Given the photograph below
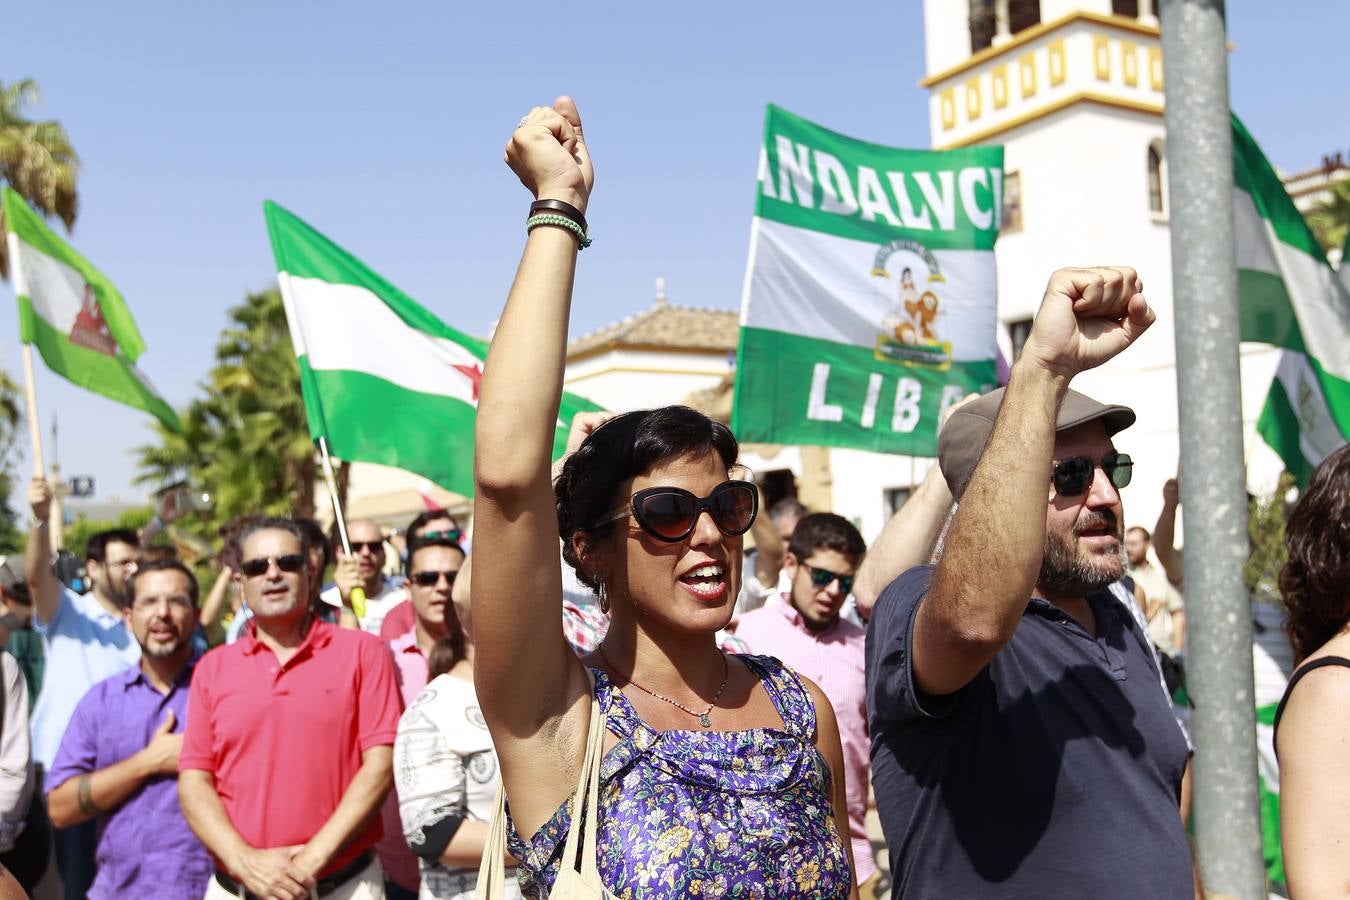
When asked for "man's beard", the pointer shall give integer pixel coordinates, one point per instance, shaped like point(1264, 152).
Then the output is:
point(1067, 571)
point(163, 651)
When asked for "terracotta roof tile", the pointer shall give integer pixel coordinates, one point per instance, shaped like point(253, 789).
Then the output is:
point(663, 325)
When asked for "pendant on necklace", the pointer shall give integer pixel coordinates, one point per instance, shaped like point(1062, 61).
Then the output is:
point(705, 720)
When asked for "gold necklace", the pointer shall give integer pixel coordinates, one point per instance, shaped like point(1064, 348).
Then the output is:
point(705, 717)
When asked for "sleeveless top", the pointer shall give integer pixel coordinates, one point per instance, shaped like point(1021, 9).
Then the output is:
point(706, 813)
point(1298, 674)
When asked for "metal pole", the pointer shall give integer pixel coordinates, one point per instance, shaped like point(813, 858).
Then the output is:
point(1205, 292)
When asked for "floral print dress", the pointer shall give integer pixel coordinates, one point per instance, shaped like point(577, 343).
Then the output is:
point(706, 813)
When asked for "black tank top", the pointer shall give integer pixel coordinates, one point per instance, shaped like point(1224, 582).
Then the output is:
point(1294, 679)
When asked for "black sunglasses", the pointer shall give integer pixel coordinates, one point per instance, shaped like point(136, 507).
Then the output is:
point(432, 577)
point(670, 514)
point(453, 535)
point(290, 562)
point(1072, 477)
point(372, 546)
point(821, 578)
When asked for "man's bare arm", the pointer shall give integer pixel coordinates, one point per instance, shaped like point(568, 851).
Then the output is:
point(1165, 534)
point(359, 802)
point(906, 541)
point(992, 555)
point(37, 561)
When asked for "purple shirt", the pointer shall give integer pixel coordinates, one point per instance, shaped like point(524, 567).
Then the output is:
point(145, 848)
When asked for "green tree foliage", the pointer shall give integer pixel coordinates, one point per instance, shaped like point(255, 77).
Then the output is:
point(1330, 219)
point(245, 440)
point(1266, 518)
point(36, 159)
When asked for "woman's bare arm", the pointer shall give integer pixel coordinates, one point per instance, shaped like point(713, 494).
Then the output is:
point(527, 678)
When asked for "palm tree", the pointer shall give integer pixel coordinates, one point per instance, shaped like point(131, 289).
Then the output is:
point(36, 159)
point(1330, 219)
point(246, 441)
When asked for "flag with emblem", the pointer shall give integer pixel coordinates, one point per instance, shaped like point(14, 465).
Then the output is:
point(75, 316)
point(870, 296)
point(1292, 298)
point(384, 380)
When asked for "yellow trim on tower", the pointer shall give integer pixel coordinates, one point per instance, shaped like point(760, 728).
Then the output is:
point(1030, 34)
point(1026, 74)
point(1129, 63)
point(998, 77)
point(947, 105)
point(1059, 63)
point(1155, 68)
point(973, 98)
point(1101, 57)
point(1062, 103)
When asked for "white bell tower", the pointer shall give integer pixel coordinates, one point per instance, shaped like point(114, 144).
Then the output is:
point(1074, 92)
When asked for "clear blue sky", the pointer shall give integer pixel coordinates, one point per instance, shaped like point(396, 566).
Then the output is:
point(383, 125)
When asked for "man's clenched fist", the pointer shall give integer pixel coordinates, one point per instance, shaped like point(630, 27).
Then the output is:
point(1087, 317)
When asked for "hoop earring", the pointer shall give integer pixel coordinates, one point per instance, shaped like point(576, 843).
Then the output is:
point(602, 591)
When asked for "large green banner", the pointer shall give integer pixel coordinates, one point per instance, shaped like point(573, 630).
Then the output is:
point(869, 303)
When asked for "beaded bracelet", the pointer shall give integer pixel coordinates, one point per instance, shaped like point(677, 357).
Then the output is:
point(534, 222)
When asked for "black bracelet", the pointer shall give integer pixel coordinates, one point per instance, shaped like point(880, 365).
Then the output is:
point(562, 208)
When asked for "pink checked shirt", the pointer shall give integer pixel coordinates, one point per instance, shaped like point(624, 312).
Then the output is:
point(834, 660)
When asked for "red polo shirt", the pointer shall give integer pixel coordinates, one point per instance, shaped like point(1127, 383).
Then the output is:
point(284, 742)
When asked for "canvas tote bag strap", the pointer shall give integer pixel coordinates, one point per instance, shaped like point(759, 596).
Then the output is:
point(492, 867)
point(579, 878)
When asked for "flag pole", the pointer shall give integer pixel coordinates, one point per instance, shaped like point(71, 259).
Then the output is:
point(358, 594)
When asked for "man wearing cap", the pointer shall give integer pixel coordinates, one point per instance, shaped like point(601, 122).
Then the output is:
point(1021, 743)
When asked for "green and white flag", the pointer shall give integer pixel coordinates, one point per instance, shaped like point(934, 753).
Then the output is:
point(1291, 297)
point(72, 312)
point(384, 380)
point(869, 300)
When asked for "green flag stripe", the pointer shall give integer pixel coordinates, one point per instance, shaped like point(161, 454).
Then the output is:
point(817, 150)
point(1266, 314)
point(110, 376)
point(780, 388)
point(441, 450)
point(1253, 173)
point(29, 228)
point(1278, 426)
point(301, 251)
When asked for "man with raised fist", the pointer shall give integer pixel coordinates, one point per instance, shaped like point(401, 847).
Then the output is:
point(1021, 741)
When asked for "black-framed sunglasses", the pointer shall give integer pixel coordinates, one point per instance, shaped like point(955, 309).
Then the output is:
point(373, 546)
point(1072, 477)
point(290, 562)
point(822, 578)
point(432, 577)
point(670, 514)
point(454, 535)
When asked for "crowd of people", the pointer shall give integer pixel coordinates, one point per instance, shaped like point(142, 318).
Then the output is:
point(605, 693)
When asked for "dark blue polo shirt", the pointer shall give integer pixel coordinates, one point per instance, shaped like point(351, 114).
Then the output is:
point(1055, 773)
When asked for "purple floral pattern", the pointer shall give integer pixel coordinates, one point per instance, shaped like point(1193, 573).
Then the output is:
point(706, 813)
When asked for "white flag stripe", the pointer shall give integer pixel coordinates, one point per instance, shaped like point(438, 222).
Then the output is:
point(795, 274)
point(336, 325)
point(1324, 324)
point(55, 289)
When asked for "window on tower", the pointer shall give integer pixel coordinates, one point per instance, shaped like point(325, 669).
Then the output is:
point(1125, 8)
point(1157, 179)
point(1023, 14)
point(983, 24)
point(1012, 203)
